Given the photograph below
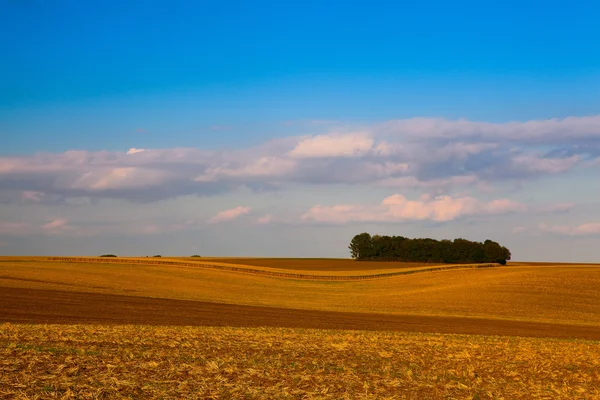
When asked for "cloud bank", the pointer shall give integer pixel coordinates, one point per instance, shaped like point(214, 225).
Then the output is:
point(434, 156)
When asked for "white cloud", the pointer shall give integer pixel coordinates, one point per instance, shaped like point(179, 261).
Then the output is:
point(228, 215)
point(333, 145)
point(587, 229)
point(133, 150)
point(398, 208)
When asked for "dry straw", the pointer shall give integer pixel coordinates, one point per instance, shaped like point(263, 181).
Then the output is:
point(112, 362)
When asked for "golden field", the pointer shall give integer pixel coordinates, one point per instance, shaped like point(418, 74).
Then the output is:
point(318, 265)
point(82, 361)
point(562, 294)
point(184, 328)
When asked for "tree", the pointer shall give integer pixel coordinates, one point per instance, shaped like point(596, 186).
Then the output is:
point(495, 253)
point(361, 246)
point(398, 248)
point(505, 256)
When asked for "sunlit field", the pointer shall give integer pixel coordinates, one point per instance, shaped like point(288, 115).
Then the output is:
point(314, 264)
point(183, 328)
point(562, 293)
point(74, 361)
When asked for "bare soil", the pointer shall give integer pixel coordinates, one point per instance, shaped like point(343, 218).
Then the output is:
point(39, 306)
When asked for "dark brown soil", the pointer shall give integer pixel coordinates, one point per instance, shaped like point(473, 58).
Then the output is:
point(62, 307)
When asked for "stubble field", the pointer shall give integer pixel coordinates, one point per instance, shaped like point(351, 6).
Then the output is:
point(74, 361)
point(181, 331)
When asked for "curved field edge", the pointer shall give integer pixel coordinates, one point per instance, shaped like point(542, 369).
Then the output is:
point(56, 361)
point(246, 269)
point(39, 306)
point(313, 265)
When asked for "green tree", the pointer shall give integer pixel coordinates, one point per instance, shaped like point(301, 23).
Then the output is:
point(361, 246)
point(398, 248)
point(495, 253)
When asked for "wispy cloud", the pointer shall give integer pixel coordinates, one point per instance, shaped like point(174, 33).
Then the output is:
point(560, 208)
point(89, 228)
point(398, 208)
point(13, 228)
point(265, 219)
point(333, 146)
point(133, 150)
point(548, 131)
point(54, 225)
point(231, 214)
point(587, 229)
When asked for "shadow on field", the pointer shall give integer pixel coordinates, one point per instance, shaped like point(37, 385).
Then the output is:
point(62, 307)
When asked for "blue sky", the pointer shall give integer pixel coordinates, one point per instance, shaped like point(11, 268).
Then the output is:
point(300, 124)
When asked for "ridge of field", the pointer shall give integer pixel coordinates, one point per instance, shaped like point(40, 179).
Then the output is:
point(315, 265)
point(355, 274)
point(560, 294)
point(66, 361)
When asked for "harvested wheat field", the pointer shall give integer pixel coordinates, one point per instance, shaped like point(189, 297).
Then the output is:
point(314, 264)
point(564, 294)
point(202, 328)
point(75, 361)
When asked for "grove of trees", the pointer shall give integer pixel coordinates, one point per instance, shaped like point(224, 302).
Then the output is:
point(399, 248)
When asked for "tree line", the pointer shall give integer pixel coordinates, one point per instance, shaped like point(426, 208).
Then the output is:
point(398, 248)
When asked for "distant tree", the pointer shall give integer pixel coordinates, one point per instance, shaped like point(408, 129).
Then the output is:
point(361, 246)
point(196, 255)
point(495, 253)
point(398, 248)
point(108, 255)
point(158, 255)
point(382, 247)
